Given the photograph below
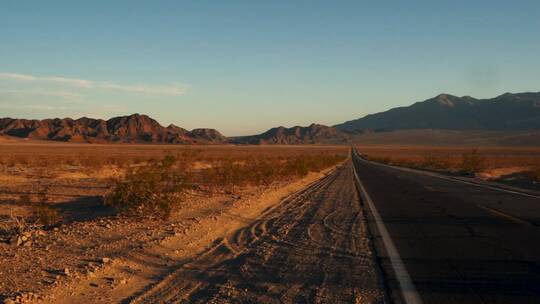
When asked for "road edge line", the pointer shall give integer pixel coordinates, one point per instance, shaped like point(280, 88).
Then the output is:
point(452, 179)
point(408, 290)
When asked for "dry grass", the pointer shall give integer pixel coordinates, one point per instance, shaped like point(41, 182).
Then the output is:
point(40, 215)
point(59, 157)
point(536, 174)
point(154, 189)
point(139, 177)
point(158, 187)
point(455, 158)
point(264, 170)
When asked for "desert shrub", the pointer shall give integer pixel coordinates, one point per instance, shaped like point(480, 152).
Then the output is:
point(46, 215)
point(472, 162)
point(43, 213)
point(152, 189)
point(436, 162)
point(263, 171)
point(92, 162)
point(13, 224)
point(535, 174)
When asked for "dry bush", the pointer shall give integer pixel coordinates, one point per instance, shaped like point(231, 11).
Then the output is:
point(156, 187)
point(42, 216)
point(43, 213)
point(46, 215)
point(91, 162)
point(436, 162)
point(13, 224)
point(263, 171)
point(495, 157)
point(472, 162)
point(535, 173)
point(57, 156)
point(153, 189)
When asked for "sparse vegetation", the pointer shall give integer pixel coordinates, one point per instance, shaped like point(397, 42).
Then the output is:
point(157, 188)
point(45, 184)
point(47, 158)
point(144, 179)
point(266, 170)
point(153, 189)
point(13, 224)
point(472, 162)
point(436, 162)
point(536, 174)
point(46, 215)
point(452, 158)
point(41, 216)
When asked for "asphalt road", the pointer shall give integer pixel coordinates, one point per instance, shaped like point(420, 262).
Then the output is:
point(459, 243)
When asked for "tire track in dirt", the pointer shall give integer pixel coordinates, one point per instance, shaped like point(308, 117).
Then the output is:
point(311, 248)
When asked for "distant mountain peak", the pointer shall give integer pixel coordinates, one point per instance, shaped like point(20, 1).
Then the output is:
point(312, 134)
point(136, 127)
point(445, 99)
point(509, 111)
point(444, 95)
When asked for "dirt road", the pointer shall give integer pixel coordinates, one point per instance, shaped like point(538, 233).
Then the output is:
point(311, 248)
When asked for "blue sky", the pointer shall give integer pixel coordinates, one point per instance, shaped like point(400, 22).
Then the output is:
point(245, 66)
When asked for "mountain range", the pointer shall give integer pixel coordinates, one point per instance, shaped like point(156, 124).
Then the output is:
point(505, 112)
point(516, 116)
point(313, 134)
point(135, 128)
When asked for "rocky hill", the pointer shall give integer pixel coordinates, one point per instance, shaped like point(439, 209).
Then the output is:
point(504, 113)
point(313, 134)
point(134, 128)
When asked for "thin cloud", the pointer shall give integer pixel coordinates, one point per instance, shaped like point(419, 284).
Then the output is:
point(163, 90)
point(32, 107)
point(172, 89)
point(61, 94)
point(17, 76)
point(70, 81)
point(97, 111)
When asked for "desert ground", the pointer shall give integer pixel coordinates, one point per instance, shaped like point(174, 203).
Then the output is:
point(234, 224)
point(61, 243)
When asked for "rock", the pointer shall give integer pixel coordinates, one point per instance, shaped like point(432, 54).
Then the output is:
point(16, 240)
point(105, 260)
point(9, 301)
point(41, 233)
point(66, 272)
